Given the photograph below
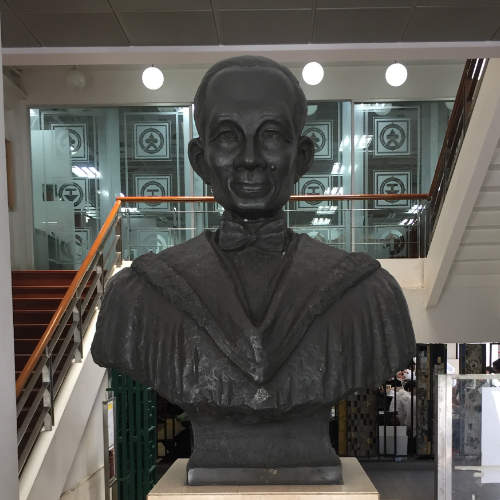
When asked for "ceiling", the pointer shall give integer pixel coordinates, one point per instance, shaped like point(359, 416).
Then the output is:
point(70, 23)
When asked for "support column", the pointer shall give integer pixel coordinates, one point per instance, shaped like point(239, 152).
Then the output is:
point(8, 441)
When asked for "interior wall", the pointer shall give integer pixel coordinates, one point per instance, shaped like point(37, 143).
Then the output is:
point(463, 314)
point(120, 85)
point(46, 86)
point(8, 433)
point(21, 214)
point(86, 477)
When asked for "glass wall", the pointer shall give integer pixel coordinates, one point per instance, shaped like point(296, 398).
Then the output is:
point(82, 158)
point(396, 149)
point(327, 124)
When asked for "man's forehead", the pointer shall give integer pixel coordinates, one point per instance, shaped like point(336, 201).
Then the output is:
point(248, 83)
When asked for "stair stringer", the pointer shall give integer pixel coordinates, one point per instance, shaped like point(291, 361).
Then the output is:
point(472, 165)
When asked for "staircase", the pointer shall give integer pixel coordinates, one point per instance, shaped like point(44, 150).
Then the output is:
point(35, 296)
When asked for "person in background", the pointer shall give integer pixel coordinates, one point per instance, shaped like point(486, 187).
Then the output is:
point(495, 369)
point(402, 404)
point(496, 366)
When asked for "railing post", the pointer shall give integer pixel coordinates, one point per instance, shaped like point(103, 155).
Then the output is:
point(119, 245)
point(48, 392)
point(77, 331)
point(129, 233)
point(99, 269)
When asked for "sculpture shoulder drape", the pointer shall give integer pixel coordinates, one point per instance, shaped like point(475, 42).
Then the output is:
point(377, 337)
point(129, 330)
point(356, 338)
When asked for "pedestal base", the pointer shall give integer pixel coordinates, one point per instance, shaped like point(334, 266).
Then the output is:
point(239, 476)
point(357, 486)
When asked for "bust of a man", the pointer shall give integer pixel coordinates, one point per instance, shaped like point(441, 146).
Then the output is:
point(254, 330)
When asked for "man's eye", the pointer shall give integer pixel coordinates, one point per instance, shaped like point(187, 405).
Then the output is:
point(271, 134)
point(227, 136)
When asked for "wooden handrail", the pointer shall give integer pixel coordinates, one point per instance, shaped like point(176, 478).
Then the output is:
point(68, 296)
point(293, 197)
point(103, 233)
point(458, 113)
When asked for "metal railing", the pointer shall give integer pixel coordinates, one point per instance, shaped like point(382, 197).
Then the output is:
point(465, 100)
point(61, 343)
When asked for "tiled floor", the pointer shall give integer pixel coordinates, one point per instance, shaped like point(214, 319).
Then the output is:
point(413, 480)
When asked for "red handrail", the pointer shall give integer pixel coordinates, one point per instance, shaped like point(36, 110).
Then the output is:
point(68, 296)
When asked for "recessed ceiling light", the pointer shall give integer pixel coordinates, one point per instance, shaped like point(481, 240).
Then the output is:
point(76, 79)
point(396, 74)
point(152, 78)
point(313, 73)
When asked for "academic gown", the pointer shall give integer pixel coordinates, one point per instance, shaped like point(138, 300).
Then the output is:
point(336, 322)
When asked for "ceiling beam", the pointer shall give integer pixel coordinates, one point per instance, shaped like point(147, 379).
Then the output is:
point(209, 54)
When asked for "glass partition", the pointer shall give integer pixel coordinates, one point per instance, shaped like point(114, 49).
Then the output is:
point(83, 158)
point(396, 148)
point(468, 437)
point(141, 218)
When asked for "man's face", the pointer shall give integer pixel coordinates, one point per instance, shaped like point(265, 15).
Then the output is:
point(250, 152)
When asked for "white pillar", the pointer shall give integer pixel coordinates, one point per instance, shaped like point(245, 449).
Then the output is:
point(8, 432)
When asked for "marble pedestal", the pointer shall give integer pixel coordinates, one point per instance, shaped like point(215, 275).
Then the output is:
point(357, 486)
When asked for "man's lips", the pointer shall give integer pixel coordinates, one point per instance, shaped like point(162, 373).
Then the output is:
point(250, 188)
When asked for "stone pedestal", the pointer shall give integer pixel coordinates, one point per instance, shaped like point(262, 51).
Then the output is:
point(357, 486)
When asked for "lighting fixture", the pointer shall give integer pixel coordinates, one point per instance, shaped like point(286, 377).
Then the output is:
point(86, 172)
point(76, 78)
point(152, 78)
point(396, 74)
point(313, 73)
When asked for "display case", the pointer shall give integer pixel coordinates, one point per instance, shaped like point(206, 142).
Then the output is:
point(468, 437)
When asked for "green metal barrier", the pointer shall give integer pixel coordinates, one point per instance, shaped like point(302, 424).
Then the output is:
point(135, 436)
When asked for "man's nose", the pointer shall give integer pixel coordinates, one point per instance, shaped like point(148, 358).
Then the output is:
point(250, 157)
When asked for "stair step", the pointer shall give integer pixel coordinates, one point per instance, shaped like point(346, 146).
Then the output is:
point(32, 331)
point(32, 277)
point(46, 303)
point(21, 360)
point(27, 346)
point(32, 316)
point(35, 292)
point(29, 330)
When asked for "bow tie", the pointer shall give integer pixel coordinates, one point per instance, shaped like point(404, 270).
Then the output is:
point(270, 237)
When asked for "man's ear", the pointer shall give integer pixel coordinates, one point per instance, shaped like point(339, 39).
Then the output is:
point(197, 160)
point(305, 156)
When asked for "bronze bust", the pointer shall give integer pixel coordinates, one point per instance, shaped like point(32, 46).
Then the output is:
point(254, 330)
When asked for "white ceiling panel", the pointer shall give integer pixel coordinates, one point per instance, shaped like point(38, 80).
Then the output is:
point(496, 36)
point(263, 4)
point(360, 25)
point(15, 32)
point(452, 24)
point(59, 30)
point(160, 5)
point(260, 27)
point(60, 6)
point(176, 28)
point(249, 22)
point(456, 3)
point(362, 4)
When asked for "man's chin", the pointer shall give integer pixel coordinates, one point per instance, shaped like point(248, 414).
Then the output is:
point(254, 208)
